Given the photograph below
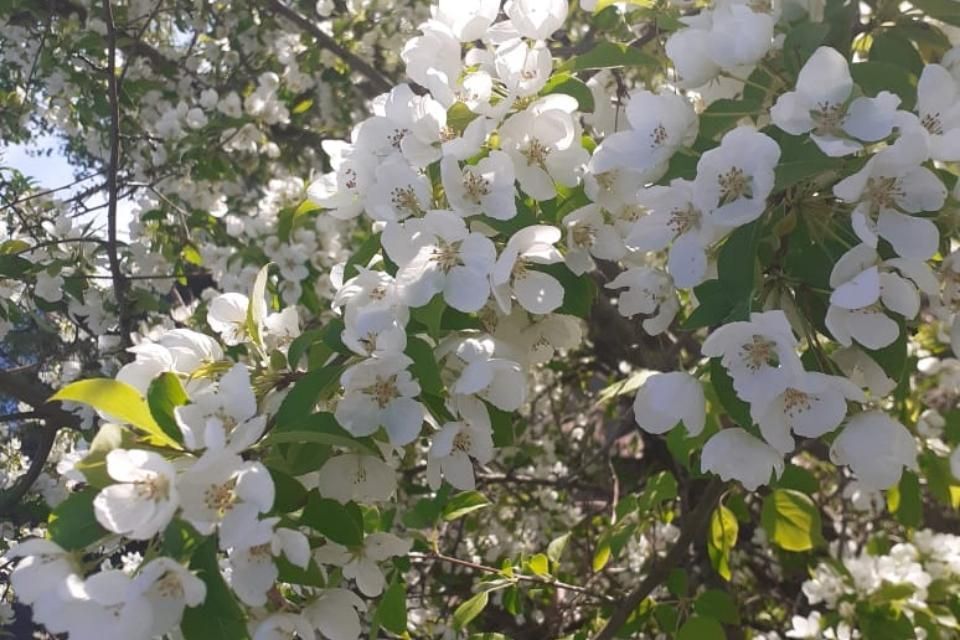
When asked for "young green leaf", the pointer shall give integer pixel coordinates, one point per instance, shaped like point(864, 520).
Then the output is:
point(721, 538)
point(121, 402)
point(469, 610)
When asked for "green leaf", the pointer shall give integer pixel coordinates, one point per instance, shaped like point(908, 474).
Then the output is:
point(318, 428)
point(578, 291)
point(607, 55)
point(791, 520)
point(603, 4)
point(717, 604)
point(945, 10)
point(72, 524)
point(801, 159)
point(722, 383)
point(502, 422)
point(713, 308)
point(165, 394)
point(290, 495)
point(392, 610)
point(340, 523)
point(121, 402)
point(721, 539)
point(723, 115)
point(329, 336)
point(556, 547)
point(424, 368)
point(8, 247)
point(906, 501)
point(463, 503)
point(801, 41)
point(302, 106)
point(459, 116)
point(93, 466)
point(540, 565)
point(257, 307)
point(14, 266)
point(602, 554)
point(893, 357)
point(659, 488)
point(361, 257)
point(469, 610)
point(700, 628)
point(218, 617)
point(289, 217)
point(571, 86)
point(874, 77)
point(678, 582)
point(302, 399)
point(737, 267)
point(430, 316)
point(890, 46)
point(180, 540)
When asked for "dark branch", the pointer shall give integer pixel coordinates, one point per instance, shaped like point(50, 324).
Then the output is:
point(379, 83)
point(120, 284)
point(694, 525)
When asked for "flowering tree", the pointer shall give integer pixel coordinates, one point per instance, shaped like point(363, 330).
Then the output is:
point(481, 319)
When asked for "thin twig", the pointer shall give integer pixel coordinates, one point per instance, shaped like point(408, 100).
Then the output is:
point(40, 194)
point(549, 582)
point(120, 284)
point(379, 82)
point(692, 528)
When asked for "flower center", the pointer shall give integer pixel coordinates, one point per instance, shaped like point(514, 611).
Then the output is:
point(632, 212)
point(760, 352)
point(827, 119)
point(369, 342)
point(384, 390)
point(583, 235)
point(229, 422)
point(658, 136)
point(360, 475)
point(447, 134)
point(683, 220)
point(462, 441)
point(397, 137)
point(220, 497)
point(734, 184)
point(260, 553)
point(606, 179)
point(476, 187)
point(379, 292)
point(405, 199)
point(536, 153)
point(882, 192)
point(932, 123)
point(795, 401)
point(520, 268)
point(350, 180)
point(169, 586)
point(447, 256)
point(157, 488)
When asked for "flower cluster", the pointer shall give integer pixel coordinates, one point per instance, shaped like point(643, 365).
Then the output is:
point(760, 232)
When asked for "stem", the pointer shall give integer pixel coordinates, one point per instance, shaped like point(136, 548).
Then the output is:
point(379, 82)
point(696, 522)
point(120, 283)
point(549, 582)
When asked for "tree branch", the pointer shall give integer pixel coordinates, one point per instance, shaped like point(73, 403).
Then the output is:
point(12, 496)
point(120, 284)
point(378, 81)
point(20, 384)
point(549, 582)
point(693, 527)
